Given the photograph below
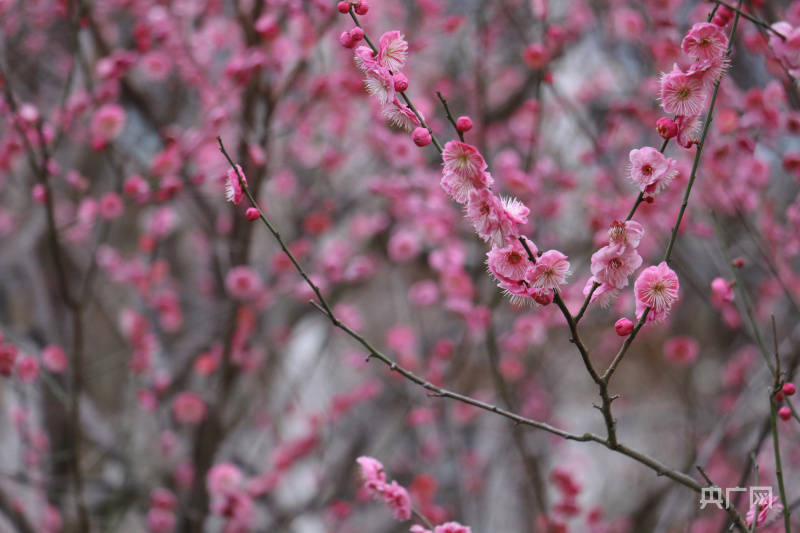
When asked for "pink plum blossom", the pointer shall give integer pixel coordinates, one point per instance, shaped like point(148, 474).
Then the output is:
point(650, 170)
point(682, 94)
point(233, 186)
point(656, 288)
point(550, 271)
point(189, 408)
point(705, 41)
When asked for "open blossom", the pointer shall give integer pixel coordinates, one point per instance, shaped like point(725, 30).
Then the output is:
point(400, 115)
point(107, 124)
point(682, 94)
point(721, 292)
point(625, 235)
point(392, 51)
point(550, 271)
point(511, 266)
point(707, 71)
point(612, 265)
point(233, 187)
point(394, 495)
point(521, 293)
point(54, 359)
point(509, 263)
point(404, 246)
point(681, 350)
point(494, 220)
point(688, 128)
point(463, 160)
point(243, 283)
point(224, 478)
point(373, 474)
point(767, 508)
point(397, 499)
point(604, 294)
point(378, 82)
point(464, 170)
point(656, 288)
point(189, 408)
point(459, 187)
point(650, 169)
point(705, 41)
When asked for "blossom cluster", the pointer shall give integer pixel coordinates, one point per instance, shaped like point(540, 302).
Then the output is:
point(686, 93)
point(613, 263)
point(396, 497)
point(521, 274)
point(383, 77)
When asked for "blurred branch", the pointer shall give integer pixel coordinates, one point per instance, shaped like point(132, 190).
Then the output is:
point(39, 164)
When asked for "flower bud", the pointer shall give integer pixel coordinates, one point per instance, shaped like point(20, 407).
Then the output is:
point(666, 127)
point(536, 56)
point(722, 16)
point(543, 297)
point(400, 82)
point(464, 124)
point(251, 214)
point(357, 34)
point(343, 7)
point(421, 136)
point(362, 7)
point(623, 327)
point(346, 40)
point(785, 413)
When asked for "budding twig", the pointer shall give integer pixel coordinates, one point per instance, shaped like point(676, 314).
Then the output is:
point(434, 390)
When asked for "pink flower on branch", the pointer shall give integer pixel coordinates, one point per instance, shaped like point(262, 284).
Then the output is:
point(394, 495)
point(495, 220)
point(764, 510)
point(611, 265)
point(397, 499)
point(681, 93)
point(705, 41)
point(462, 159)
point(551, 270)
point(650, 169)
point(401, 116)
point(509, 263)
point(233, 186)
point(107, 124)
point(626, 235)
point(392, 51)
point(379, 83)
point(656, 288)
point(373, 474)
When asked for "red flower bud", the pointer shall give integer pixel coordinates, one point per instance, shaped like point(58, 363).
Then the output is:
point(666, 127)
point(464, 124)
point(623, 327)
